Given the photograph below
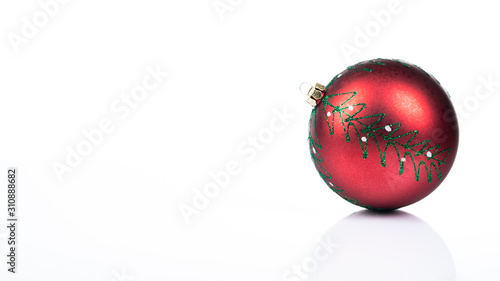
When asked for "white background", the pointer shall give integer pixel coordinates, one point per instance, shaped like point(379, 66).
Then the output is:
point(116, 215)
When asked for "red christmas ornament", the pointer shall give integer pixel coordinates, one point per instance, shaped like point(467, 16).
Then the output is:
point(383, 134)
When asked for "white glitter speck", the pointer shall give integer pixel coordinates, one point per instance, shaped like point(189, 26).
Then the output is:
point(351, 108)
point(314, 150)
point(328, 114)
point(429, 154)
point(388, 128)
point(363, 139)
point(403, 159)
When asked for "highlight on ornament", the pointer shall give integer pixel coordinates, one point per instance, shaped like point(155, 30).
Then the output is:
point(383, 134)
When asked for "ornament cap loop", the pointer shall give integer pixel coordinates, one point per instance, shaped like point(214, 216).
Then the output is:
point(315, 94)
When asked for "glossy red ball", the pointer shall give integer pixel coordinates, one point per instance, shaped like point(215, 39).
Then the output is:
point(384, 135)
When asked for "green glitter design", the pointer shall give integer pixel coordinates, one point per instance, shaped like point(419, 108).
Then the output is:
point(353, 68)
point(324, 173)
point(403, 63)
point(373, 133)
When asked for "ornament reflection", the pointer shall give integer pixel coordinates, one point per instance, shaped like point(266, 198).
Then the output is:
point(380, 246)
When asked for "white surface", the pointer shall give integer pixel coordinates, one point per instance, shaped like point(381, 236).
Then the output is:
point(116, 215)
